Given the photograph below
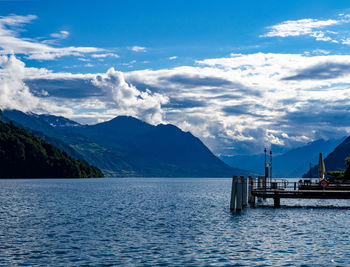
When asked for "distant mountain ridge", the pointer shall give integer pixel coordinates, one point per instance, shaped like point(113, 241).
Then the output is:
point(292, 163)
point(126, 146)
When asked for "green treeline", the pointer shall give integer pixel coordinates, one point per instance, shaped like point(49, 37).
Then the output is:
point(23, 155)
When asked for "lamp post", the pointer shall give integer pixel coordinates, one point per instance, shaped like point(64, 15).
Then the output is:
point(265, 166)
point(271, 165)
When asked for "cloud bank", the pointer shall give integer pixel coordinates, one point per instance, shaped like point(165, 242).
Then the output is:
point(242, 103)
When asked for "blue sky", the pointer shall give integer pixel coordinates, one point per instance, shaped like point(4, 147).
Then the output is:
point(185, 29)
point(240, 75)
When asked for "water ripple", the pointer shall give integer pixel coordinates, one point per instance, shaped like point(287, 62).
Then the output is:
point(108, 222)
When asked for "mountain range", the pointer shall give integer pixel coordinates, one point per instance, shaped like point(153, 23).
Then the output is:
point(128, 147)
point(291, 163)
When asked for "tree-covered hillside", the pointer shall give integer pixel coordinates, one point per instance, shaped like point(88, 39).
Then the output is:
point(23, 155)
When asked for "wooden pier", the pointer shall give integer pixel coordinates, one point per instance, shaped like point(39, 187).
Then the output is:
point(248, 189)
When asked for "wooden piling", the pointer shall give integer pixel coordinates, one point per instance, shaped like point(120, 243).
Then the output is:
point(260, 182)
point(260, 179)
point(239, 203)
point(251, 198)
point(233, 193)
point(244, 191)
point(276, 202)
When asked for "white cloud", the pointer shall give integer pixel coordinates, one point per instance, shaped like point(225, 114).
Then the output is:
point(10, 43)
point(60, 35)
point(320, 52)
point(15, 20)
point(346, 41)
point(314, 28)
point(83, 59)
point(105, 55)
point(310, 27)
point(138, 48)
point(13, 93)
point(298, 27)
point(128, 100)
point(173, 57)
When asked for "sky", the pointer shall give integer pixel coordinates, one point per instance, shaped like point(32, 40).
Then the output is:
point(240, 75)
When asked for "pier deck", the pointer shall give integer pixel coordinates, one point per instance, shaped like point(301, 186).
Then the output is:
point(321, 194)
point(246, 190)
point(301, 190)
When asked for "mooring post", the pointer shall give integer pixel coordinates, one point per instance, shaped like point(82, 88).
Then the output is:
point(239, 195)
point(276, 201)
point(244, 191)
point(260, 182)
point(251, 198)
point(260, 178)
point(233, 193)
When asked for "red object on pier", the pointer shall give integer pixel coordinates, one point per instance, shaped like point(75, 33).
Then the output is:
point(324, 183)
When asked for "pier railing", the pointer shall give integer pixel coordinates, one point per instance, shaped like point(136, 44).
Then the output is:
point(262, 183)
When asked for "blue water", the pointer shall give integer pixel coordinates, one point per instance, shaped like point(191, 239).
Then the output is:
point(162, 222)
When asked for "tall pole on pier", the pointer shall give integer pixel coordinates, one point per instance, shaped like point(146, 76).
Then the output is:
point(265, 166)
point(271, 165)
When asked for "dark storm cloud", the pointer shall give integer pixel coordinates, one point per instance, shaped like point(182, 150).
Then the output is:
point(244, 109)
point(64, 88)
point(321, 72)
point(184, 103)
point(195, 80)
point(228, 96)
point(215, 85)
point(239, 110)
point(319, 118)
point(289, 101)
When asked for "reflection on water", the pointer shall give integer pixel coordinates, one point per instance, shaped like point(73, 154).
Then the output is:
point(162, 221)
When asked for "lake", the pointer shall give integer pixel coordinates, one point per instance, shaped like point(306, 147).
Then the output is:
point(153, 221)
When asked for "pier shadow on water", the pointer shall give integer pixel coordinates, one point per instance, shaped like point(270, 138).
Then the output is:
point(304, 207)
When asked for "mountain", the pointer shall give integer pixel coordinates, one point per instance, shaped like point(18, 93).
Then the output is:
point(126, 146)
point(23, 155)
point(335, 161)
point(292, 163)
